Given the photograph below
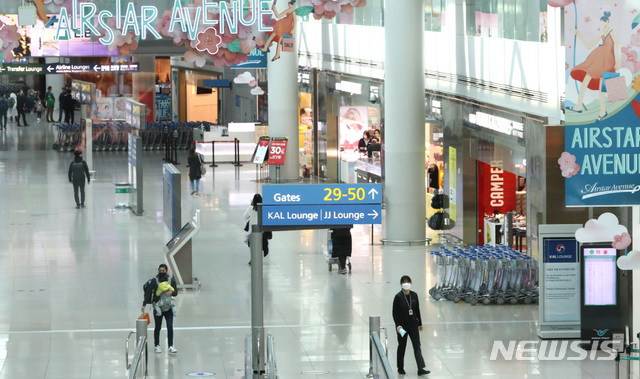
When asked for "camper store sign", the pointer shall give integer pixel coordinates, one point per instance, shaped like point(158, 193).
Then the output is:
point(226, 15)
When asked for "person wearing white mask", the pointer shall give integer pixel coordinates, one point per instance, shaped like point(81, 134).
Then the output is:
point(406, 315)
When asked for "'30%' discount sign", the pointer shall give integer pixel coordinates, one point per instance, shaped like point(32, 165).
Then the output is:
point(277, 150)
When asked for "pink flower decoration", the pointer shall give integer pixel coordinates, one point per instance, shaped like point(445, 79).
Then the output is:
point(208, 41)
point(630, 59)
point(622, 241)
point(253, 83)
point(559, 3)
point(635, 39)
point(568, 165)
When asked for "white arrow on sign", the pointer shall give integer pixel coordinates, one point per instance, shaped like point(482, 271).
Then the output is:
point(374, 214)
point(373, 193)
point(96, 68)
point(50, 68)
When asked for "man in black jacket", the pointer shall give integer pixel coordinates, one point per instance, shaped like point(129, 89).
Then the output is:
point(69, 105)
point(406, 315)
point(78, 171)
point(21, 105)
point(61, 97)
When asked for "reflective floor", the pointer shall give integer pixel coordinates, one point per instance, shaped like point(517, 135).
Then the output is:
point(71, 283)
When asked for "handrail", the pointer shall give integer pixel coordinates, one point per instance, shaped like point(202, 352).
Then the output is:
point(386, 342)
point(272, 368)
point(380, 364)
point(126, 349)
point(248, 369)
point(141, 351)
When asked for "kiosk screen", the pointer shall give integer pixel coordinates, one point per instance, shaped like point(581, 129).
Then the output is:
point(599, 276)
point(183, 232)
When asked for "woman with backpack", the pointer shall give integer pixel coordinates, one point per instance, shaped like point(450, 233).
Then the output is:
point(150, 297)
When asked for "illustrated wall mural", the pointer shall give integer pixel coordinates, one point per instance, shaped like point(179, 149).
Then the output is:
point(601, 162)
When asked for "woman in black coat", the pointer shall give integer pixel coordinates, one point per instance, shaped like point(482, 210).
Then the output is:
point(194, 171)
point(341, 241)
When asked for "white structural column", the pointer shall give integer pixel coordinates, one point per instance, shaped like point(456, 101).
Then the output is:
point(404, 122)
point(55, 81)
point(283, 108)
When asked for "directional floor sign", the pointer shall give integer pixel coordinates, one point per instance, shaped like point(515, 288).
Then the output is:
point(275, 215)
point(322, 194)
point(79, 68)
point(22, 69)
point(321, 204)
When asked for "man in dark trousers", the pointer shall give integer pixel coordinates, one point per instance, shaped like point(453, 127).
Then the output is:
point(69, 105)
point(406, 315)
point(4, 107)
point(49, 102)
point(60, 103)
point(21, 106)
point(341, 244)
point(78, 171)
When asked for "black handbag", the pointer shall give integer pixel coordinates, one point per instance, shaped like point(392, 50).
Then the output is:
point(246, 227)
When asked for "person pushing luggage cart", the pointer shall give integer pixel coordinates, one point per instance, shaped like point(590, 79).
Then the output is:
point(340, 248)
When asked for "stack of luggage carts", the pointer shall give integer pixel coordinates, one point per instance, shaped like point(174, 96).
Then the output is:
point(488, 274)
point(113, 135)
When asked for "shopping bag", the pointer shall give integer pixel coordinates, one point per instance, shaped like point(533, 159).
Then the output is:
point(616, 89)
point(608, 75)
point(145, 316)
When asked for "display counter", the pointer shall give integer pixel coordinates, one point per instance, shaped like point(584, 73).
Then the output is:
point(225, 150)
point(368, 170)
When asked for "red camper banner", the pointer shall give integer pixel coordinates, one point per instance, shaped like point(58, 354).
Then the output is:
point(496, 192)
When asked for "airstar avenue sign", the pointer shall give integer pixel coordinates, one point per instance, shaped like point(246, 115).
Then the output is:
point(227, 16)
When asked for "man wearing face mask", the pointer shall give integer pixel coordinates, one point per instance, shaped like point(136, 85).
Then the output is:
point(150, 297)
point(406, 315)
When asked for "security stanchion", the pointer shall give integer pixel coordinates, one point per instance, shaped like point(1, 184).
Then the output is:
point(213, 154)
point(236, 153)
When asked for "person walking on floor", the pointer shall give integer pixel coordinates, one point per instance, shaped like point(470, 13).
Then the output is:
point(49, 102)
point(406, 315)
point(150, 297)
point(341, 243)
point(78, 172)
point(251, 216)
point(38, 108)
point(21, 104)
point(195, 172)
point(4, 107)
point(12, 101)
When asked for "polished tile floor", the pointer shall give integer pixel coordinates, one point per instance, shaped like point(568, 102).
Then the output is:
point(71, 284)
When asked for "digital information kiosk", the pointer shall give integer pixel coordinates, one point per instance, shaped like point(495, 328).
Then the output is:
point(179, 254)
point(601, 310)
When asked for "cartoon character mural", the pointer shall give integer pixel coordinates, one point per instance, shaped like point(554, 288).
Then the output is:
point(601, 163)
point(600, 64)
point(42, 13)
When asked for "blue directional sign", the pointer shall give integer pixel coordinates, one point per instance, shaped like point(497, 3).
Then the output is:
point(321, 204)
point(321, 194)
point(309, 215)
